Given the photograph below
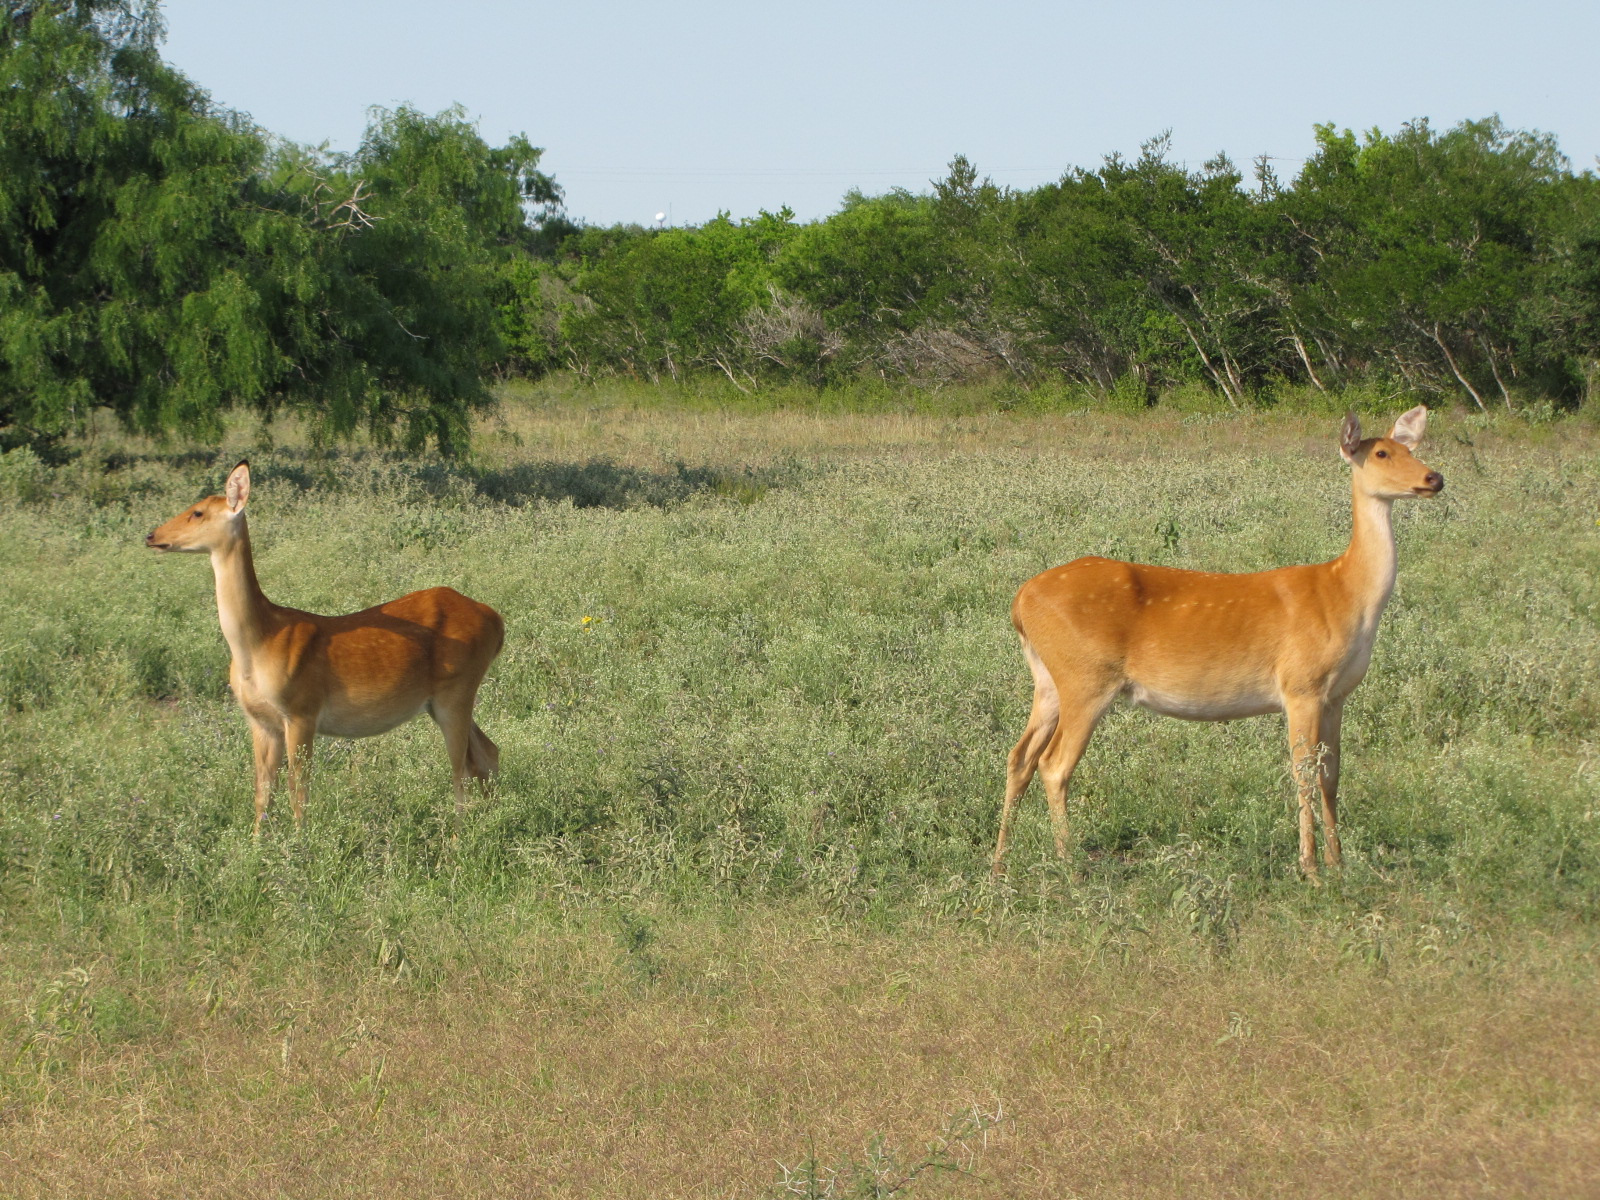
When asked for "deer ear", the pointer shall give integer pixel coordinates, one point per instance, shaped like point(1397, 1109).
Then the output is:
point(1409, 425)
point(1350, 437)
point(238, 489)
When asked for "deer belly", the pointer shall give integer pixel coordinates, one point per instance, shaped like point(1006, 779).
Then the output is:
point(357, 721)
point(1207, 700)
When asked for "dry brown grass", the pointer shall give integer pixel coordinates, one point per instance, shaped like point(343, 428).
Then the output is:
point(565, 1072)
point(573, 423)
point(651, 437)
point(565, 421)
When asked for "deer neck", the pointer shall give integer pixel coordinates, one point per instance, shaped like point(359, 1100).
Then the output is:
point(1367, 567)
point(242, 609)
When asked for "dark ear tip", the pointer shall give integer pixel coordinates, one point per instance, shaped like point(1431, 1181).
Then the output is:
point(243, 462)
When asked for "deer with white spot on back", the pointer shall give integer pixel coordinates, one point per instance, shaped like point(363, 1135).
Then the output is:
point(1213, 647)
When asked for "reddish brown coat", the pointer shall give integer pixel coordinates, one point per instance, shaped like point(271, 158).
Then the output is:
point(1207, 646)
point(297, 674)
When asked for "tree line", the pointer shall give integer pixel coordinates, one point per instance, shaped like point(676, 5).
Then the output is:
point(1463, 262)
point(163, 258)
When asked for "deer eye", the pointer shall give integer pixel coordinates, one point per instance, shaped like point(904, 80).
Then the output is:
point(196, 513)
point(1381, 454)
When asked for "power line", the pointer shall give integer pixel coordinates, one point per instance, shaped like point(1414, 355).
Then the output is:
point(621, 173)
point(773, 172)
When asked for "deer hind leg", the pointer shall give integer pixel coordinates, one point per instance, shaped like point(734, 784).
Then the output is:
point(1024, 758)
point(452, 712)
point(1079, 715)
point(483, 756)
point(269, 752)
point(1308, 760)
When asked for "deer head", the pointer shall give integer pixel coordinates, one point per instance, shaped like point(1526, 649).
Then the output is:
point(208, 524)
point(1385, 467)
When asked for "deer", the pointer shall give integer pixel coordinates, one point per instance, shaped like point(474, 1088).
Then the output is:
point(297, 674)
point(1208, 646)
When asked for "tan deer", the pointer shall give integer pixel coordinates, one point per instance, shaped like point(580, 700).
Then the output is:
point(297, 674)
point(1212, 647)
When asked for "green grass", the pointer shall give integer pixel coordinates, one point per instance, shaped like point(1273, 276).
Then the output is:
point(759, 677)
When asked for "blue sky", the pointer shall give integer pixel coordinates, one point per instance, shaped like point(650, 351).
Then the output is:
point(692, 108)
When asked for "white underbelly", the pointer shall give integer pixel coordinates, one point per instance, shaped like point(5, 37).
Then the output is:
point(335, 722)
point(341, 716)
point(1199, 705)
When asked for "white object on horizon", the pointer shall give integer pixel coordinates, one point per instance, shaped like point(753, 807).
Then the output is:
point(660, 217)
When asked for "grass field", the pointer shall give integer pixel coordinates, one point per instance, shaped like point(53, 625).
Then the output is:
point(725, 922)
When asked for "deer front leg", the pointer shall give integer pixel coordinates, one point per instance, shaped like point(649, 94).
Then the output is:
point(268, 740)
point(298, 733)
point(1328, 782)
point(1306, 759)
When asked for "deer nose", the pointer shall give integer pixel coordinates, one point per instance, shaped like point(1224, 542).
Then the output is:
point(1434, 480)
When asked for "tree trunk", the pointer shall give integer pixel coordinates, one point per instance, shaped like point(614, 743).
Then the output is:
point(1306, 359)
point(1488, 352)
point(1234, 376)
point(728, 371)
point(1211, 370)
point(1455, 370)
point(1329, 358)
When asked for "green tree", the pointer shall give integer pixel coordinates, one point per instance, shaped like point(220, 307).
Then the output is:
point(907, 283)
point(1148, 270)
point(869, 268)
point(1425, 245)
point(1195, 243)
point(122, 232)
point(1559, 315)
point(1081, 310)
point(420, 229)
point(160, 258)
point(654, 303)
